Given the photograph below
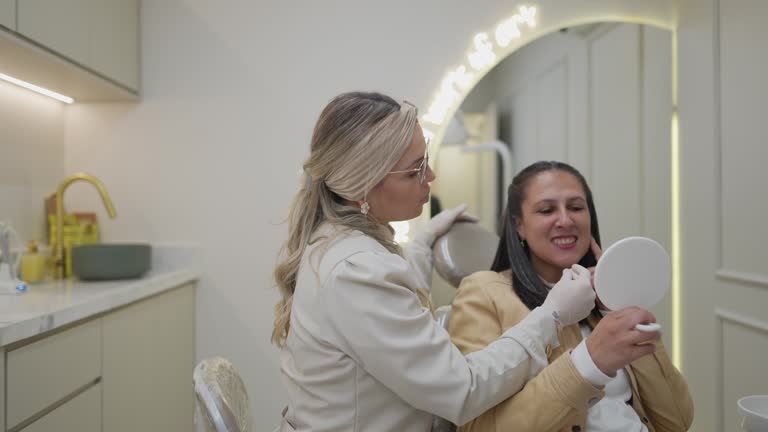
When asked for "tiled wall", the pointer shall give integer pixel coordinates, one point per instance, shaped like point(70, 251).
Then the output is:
point(31, 157)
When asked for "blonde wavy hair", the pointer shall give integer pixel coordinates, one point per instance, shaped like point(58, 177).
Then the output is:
point(357, 140)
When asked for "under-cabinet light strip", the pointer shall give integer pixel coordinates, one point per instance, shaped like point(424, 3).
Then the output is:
point(38, 89)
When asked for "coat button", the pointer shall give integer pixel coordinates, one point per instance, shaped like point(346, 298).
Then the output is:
point(576, 428)
point(645, 419)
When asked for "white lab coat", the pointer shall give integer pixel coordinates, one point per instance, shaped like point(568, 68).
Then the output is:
point(362, 354)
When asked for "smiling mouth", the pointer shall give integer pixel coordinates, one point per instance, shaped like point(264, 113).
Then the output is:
point(565, 242)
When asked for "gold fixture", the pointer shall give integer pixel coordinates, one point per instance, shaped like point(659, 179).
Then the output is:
point(58, 257)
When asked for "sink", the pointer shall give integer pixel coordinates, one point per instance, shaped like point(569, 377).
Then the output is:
point(109, 261)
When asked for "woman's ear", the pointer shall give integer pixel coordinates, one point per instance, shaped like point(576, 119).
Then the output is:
point(519, 228)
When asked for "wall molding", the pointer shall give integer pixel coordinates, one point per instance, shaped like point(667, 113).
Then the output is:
point(744, 278)
point(741, 319)
point(726, 316)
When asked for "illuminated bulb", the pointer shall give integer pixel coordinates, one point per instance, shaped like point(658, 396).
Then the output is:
point(483, 54)
point(461, 76)
point(448, 94)
point(38, 89)
point(506, 31)
point(528, 15)
point(438, 109)
point(509, 29)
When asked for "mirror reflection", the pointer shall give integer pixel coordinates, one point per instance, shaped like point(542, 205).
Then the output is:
point(596, 96)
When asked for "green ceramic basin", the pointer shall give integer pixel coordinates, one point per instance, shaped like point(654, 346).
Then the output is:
point(111, 261)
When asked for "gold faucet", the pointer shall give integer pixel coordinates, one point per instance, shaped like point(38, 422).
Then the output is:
point(58, 257)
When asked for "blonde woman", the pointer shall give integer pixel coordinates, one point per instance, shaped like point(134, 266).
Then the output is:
point(360, 349)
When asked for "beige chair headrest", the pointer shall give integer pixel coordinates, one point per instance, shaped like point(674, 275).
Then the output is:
point(466, 248)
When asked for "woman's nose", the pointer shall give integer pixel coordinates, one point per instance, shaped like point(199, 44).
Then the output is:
point(430, 175)
point(563, 218)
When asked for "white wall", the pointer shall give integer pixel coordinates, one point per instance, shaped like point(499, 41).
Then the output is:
point(722, 96)
point(31, 157)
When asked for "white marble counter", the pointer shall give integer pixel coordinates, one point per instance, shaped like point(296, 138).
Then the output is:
point(50, 305)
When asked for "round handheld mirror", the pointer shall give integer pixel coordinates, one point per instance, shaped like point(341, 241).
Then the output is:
point(635, 271)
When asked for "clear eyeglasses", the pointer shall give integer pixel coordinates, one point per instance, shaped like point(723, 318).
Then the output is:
point(422, 169)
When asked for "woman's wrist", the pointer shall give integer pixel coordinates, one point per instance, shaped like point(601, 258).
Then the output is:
point(586, 366)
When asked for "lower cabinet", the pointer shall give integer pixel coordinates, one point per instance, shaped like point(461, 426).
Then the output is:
point(148, 359)
point(82, 414)
point(129, 369)
point(50, 369)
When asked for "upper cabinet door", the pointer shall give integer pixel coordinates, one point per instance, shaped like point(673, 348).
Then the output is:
point(115, 40)
point(60, 25)
point(8, 14)
point(100, 35)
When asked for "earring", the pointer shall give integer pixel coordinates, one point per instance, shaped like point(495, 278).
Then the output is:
point(365, 207)
point(522, 243)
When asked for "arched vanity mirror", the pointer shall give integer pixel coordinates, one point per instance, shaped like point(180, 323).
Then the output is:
point(598, 96)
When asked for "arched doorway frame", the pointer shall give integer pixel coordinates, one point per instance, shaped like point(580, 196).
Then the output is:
point(530, 21)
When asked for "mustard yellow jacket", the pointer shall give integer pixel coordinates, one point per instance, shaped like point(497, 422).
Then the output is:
point(557, 399)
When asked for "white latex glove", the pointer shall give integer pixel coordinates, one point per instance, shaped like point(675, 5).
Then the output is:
point(572, 297)
point(442, 222)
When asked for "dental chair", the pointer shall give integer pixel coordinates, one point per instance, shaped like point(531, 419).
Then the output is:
point(220, 397)
point(466, 248)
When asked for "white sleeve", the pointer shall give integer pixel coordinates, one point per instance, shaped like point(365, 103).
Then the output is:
point(380, 323)
point(583, 363)
point(418, 253)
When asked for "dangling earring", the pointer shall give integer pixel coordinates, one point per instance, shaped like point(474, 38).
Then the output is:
point(365, 207)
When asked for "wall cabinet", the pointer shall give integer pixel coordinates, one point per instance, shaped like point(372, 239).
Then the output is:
point(101, 35)
point(8, 14)
point(129, 369)
point(98, 41)
point(61, 26)
point(115, 40)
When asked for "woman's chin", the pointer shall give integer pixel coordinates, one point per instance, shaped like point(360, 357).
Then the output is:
point(572, 256)
point(567, 263)
point(406, 217)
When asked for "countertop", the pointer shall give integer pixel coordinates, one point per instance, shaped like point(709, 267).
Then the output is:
point(50, 305)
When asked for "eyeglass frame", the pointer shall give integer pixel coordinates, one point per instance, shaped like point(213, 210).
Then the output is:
point(423, 167)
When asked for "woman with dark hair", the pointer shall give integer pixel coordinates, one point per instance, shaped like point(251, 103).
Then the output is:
point(605, 375)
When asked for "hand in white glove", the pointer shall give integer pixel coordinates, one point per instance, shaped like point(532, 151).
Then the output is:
point(572, 297)
point(442, 222)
